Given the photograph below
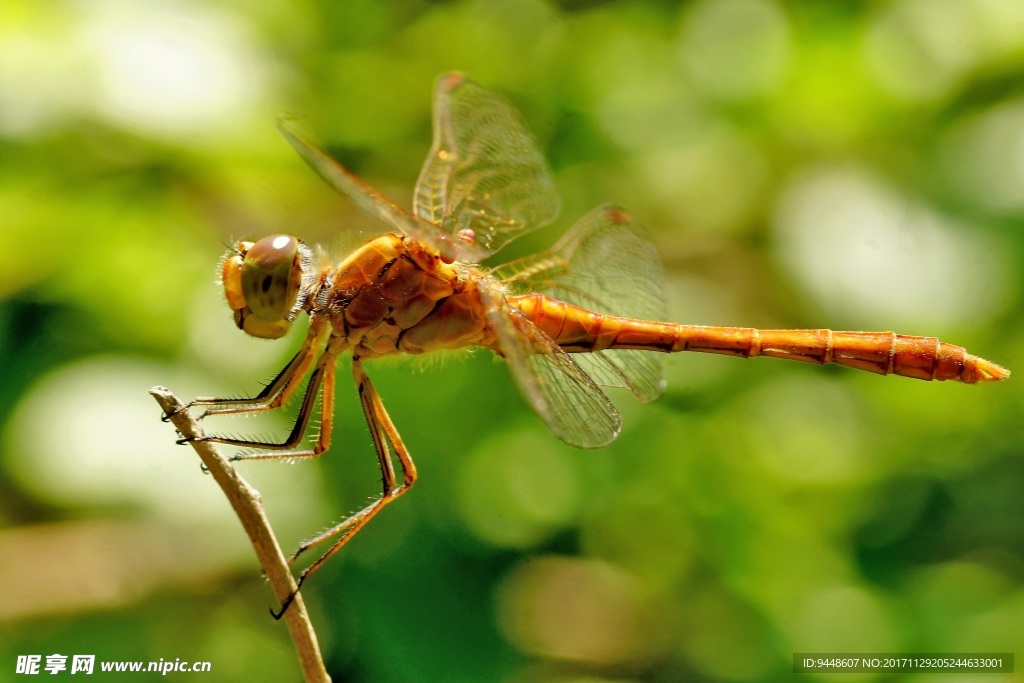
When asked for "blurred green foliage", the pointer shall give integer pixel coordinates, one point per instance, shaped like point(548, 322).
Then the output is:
point(800, 164)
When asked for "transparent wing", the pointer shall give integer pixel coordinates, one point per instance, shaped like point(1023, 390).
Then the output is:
point(606, 263)
point(365, 197)
point(484, 172)
point(560, 391)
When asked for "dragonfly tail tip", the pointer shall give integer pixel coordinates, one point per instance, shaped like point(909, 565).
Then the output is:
point(987, 371)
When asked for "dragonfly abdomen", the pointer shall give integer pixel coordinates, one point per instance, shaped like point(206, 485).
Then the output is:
point(578, 330)
point(883, 353)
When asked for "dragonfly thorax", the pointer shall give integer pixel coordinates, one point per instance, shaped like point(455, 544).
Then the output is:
point(396, 295)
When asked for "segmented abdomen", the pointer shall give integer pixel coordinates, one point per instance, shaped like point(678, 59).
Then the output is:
point(578, 330)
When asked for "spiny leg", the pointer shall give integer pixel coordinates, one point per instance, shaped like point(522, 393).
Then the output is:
point(320, 382)
point(383, 430)
point(273, 395)
point(280, 389)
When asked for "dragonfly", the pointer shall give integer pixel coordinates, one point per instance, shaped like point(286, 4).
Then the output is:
point(583, 315)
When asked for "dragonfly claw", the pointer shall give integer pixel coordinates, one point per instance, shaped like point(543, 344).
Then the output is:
point(284, 608)
point(287, 602)
point(191, 439)
point(167, 417)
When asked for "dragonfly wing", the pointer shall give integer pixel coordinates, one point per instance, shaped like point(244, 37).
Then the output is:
point(605, 263)
point(639, 371)
point(560, 391)
point(362, 195)
point(484, 172)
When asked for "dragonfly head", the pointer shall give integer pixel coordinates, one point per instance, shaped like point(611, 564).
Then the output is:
point(263, 283)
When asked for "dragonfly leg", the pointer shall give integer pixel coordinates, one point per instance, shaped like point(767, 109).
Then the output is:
point(323, 380)
point(280, 389)
point(383, 431)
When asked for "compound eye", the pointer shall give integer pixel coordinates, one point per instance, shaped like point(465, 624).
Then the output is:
point(231, 275)
point(272, 276)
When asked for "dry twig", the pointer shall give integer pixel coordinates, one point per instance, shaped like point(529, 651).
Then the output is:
point(248, 507)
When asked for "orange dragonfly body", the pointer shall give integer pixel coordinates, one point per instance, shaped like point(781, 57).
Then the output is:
point(580, 316)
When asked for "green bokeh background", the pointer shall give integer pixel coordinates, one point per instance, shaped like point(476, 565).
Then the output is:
point(856, 165)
